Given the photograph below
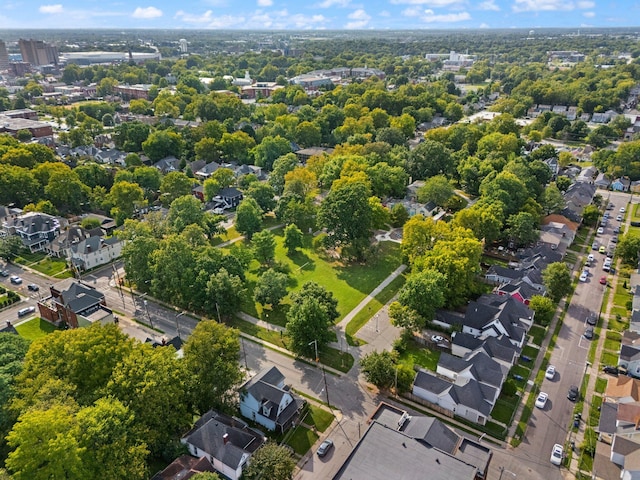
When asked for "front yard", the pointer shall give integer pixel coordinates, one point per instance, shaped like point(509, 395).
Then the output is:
point(35, 328)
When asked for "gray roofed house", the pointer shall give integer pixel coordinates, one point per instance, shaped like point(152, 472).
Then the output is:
point(607, 424)
point(625, 452)
point(520, 290)
point(71, 302)
point(226, 441)
point(168, 164)
point(207, 170)
point(500, 274)
point(184, 467)
point(35, 229)
point(266, 400)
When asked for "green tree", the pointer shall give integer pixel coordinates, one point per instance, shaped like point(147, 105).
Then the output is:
point(308, 323)
point(590, 215)
point(269, 150)
point(264, 247)
point(281, 166)
point(405, 317)
point(552, 200)
point(436, 189)
point(293, 238)
point(424, 293)
point(224, 293)
point(557, 280)
point(263, 194)
point(125, 198)
point(399, 215)
point(379, 368)
point(271, 288)
point(161, 144)
point(10, 247)
point(210, 356)
point(248, 217)
point(522, 228)
point(66, 191)
point(184, 211)
point(270, 460)
point(544, 309)
point(149, 179)
point(174, 185)
point(428, 159)
point(629, 249)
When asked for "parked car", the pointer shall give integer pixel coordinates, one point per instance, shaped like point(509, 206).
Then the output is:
point(26, 311)
point(588, 333)
point(619, 218)
point(16, 280)
point(556, 454)
point(616, 230)
point(600, 231)
point(610, 206)
point(573, 393)
point(614, 239)
point(611, 370)
point(4, 273)
point(584, 276)
point(591, 257)
point(550, 373)
point(592, 319)
point(541, 401)
point(603, 280)
point(622, 210)
point(603, 249)
point(594, 246)
point(437, 338)
point(33, 287)
point(324, 448)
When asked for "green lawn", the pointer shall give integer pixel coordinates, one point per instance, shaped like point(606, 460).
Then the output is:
point(35, 328)
point(537, 333)
point(609, 358)
point(300, 438)
point(416, 354)
point(319, 417)
point(50, 267)
point(379, 301)
point(349, 283)
point(612, 344)
point(504, 408)
point(601, 385)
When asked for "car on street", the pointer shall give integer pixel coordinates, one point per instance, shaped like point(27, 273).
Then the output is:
point(588, 333)
point(573, 393)
point(550, 373)
point(611, 370)
point(603, 280)
point(594, 246)
point(622, 210)
point(584, 276)
point(33, 287)
point(592, 319)
point(591, 257)
point(26, 311)
point(600, 231)
point(4, 273)
point(614, 239)
point(619, 218)
point(541, 401)
point(324, 448)
point(603, 249)
point(616, 230)
point(556, 454)
point(437, 338)
point(16, 280)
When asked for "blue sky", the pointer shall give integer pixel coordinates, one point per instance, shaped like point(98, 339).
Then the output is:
point(319, 14)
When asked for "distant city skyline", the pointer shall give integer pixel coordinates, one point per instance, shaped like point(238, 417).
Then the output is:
point(321, 14)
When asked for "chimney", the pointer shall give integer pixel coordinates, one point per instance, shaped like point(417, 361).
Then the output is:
point(8, 323)
point(225, 438)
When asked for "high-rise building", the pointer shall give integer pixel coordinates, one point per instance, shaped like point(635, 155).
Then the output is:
point(184, 46)
point(4, 57)
point(37, 52)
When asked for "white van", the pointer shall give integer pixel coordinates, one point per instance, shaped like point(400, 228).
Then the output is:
point(26, 311)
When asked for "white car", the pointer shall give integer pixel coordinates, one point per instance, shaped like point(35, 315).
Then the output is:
point(584, 276)
point(556, 454)
point(591, 257)
point(437, 338)
point(600, 231)
point(550, 373)
point(619, 218)
point(622, 210)
point(541, 401)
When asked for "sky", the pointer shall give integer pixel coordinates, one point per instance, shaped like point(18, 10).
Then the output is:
point(319, 14)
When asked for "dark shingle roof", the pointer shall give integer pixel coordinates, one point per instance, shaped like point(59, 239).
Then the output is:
point(431, 383)
point(466, 340)
point(433, 432)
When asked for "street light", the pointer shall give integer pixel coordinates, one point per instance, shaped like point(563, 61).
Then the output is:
point(178, 324)
point(315, 344)
point(146, 307)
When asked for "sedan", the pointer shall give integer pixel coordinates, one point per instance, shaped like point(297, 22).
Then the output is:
point(603, 249)
point(324, 448)
point(603, 280)
point(588, 333)
point(611, 370)
point(594, 246)
point(437, 338)
point(600, 231)
point(4, 273)
point(584, 276)
point(591, 257)
point(619, 218)
point(550, 373)
point(541, 401)
point(556, 454)
point(592, 319)
point(33, 287)
point(573, 393)
point(16, 280)
point(622, 210)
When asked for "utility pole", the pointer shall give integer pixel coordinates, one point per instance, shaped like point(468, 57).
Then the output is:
point(326, 388)
point(315, 344)
point(218, 310)
point(244, 353)
point(178, 324)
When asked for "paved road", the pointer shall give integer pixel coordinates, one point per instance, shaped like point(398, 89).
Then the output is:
point(551, 425)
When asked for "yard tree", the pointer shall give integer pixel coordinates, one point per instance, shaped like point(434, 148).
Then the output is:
point(206, 476)
point(210, 356)
point(92, 175)
point(271, 460)
point(557, 280)
point(66, 191)
point(380, 215)
point(308, 134)
point(629, 249)
point(185, 210)
point(17, 185)
point(379, 368)
point(436, 189)
point(224, 177)
point(424, 293)
point(149, 179)
point(125, 197)
point(174, 185)
point(346, 214)
point(405, 317)
point(224, 292)
point(399, 215)
point(544, 309)
point(324, 296)
point(109, 447)
point(281, 166)
point(271, 288)
point(552, 199)
point(237, 147)
point(293, 238)
point(483, 219)
point(269, 150)
point(428, 159)
point(307, 323)
point(161, 144)
point(264, 247)
point(138, 263)
point(13, 348)
point(300, 181)
point(45, 445)
point(10, 247)
point(522, 228)
point(387, 180)
point(263, 194)
point(590, 215)
point(294, 209)
point(207, 149)
point(148, 381)
point(248, 217)
point(173, 270)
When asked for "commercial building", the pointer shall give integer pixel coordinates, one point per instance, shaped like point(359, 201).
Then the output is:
point(37, 52)
point(4, 57)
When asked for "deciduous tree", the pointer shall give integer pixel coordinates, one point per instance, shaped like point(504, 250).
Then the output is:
point(557, 280)
point(248, 217)
point(271, 460)
point(271, 288)
point(264, 247)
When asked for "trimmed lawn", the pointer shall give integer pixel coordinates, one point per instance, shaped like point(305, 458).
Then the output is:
point(618, 325)
point(300, 438)
point(504, 408)
point(319, 417)
point(612, 344)
point(50, 267)
point(349, 283)
point(379, 301)
point(35, 328)
point(521, 370)
point(601, 385)
point(26, 258)
point(609, 358)
point(416, 354)
point(531, 352)
point(537, 333)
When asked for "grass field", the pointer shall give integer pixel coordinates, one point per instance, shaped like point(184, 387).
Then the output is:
point(300, 438)
point(319, 417)
point(349, 283)
point(416, 354)
point(35, 328)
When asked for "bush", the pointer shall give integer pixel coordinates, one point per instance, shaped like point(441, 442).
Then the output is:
point(320, 241)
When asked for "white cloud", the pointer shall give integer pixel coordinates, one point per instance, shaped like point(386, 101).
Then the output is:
point(359, 19)
point(278, 20)
point(428, 3)
point(57, 8)
point(544, 5)
point(484, 25)
point(429, 16)
point(333, 3)
point(489, 5)
point(205, 18)
point(586, 4)
point(265, 3)
point(589, 14)
point(147, 12)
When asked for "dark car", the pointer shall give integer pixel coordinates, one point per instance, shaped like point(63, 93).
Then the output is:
point(324, 448)
point(4, 273)
point(592, 319)
point(588, 333)
point(611, 370)
point(573, 393)
point(33, 287)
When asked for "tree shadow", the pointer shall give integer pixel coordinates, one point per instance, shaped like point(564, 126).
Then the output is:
point(302, 260)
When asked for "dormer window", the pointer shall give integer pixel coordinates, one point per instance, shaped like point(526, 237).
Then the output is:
point(266, 410)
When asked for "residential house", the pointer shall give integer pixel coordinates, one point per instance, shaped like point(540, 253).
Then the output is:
point(476, 365)
point(184, 467)
point(629, 357)
point(560, 230)
point(74, 304)
point(621, 184)
point(577, 196)
point(35, 229)
point(198, 192)
point(622, 389)
point(602, 181)
point(266, 400)
point(399, 445)
point(499, 349)
point(554, 219)
point(587, 174)
point(227, 442)
point(168, 164)
point(230, 196)
point(619, 426)
point(207, 170)
point(519, 290)
point(112, 156)
point(94, 251)
point(499, 274)
point(305, 154)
